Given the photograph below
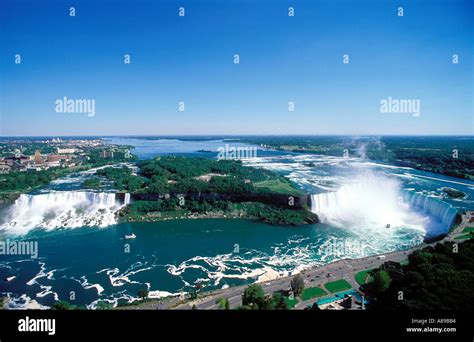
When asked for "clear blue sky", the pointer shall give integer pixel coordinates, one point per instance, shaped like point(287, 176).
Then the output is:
point(191, 59)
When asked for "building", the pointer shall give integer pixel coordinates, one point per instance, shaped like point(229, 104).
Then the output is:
point(15, 163)
point(392, 265)
point(106, 154)
point(38, 158)
point(24, 160)
point(394, 269)
point(346, 300)
point(34, 168)
point(4, 167)
point(66, 150)
point(66, 158)
point(53, 160)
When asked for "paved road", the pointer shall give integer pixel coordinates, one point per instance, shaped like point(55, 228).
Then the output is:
point(342, 269)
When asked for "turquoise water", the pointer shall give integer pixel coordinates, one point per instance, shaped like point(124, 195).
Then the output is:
point(171, 257)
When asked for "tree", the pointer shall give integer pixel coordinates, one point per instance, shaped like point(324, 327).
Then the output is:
point(134, 183)
point(143, 294)
point(63, 305)
point(223, 303)
point(279, 302)
point(381, 281)
point(91, 183)
point(297, 284)
point(104, 306)
point(254, 296)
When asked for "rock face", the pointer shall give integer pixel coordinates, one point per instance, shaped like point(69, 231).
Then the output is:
point(6, 199)
point(285, 201)
point(453, 193)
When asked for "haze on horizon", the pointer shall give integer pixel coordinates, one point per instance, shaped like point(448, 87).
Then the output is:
point(191, 59)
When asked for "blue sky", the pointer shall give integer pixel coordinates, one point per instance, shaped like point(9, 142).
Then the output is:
point(282, 59)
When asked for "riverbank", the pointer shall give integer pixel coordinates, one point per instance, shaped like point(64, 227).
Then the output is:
point(144, 211)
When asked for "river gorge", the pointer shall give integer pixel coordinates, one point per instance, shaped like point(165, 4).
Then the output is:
point(365, 208)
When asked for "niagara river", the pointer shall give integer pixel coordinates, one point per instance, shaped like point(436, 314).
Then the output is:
point(365, 208)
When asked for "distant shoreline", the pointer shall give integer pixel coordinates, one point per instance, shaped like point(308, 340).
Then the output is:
point(236, 135)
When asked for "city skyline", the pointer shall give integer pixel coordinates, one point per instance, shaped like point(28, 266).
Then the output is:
point(189, 60)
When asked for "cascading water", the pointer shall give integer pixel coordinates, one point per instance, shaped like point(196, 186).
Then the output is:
point(67, 209)
point(369, 202)
point(126, 199)
point(378, 202)
point(442, 215)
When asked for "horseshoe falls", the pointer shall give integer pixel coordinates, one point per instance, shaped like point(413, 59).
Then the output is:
point(442, 215)
point(378, 202)
point(369, 199)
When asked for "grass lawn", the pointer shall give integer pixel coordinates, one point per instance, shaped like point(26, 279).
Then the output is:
point(312, 292)
point(291, 302)
point(468, 230)
point(338, 285)
point(464, 236)
point(279, 187)
point(362, 276)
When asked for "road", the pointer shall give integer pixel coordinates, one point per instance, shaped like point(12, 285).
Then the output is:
point(342, 269)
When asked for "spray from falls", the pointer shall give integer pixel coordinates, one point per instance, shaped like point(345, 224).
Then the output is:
point(68, 209)
point(374, 202)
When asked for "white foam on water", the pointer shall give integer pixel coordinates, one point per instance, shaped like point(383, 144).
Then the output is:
point(86, 286)
point(120, 279)
point(24, 302)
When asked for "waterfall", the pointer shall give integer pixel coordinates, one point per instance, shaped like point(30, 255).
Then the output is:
point(126, 199)
point(58, 209)
point(444, 214)
point(374, 201)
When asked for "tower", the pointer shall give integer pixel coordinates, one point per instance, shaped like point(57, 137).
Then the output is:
point(38, 158)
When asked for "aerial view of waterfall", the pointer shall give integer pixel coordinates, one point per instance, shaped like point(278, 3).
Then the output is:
point(203, 167)
point(364, 208)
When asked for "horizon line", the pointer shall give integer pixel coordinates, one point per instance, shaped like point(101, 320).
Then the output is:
point(235, 135)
